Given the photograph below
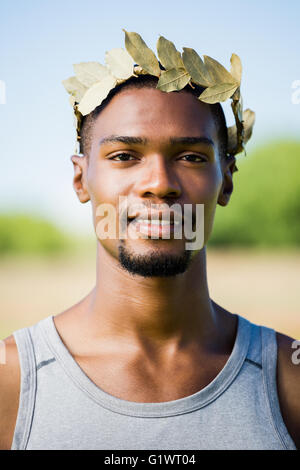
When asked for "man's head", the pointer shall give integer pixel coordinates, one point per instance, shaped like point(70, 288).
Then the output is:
point(150, 81)
point(174, 150)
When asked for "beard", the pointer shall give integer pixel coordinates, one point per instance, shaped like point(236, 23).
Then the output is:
point(155, 263)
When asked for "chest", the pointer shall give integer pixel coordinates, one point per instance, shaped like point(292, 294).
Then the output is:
point(137, 381)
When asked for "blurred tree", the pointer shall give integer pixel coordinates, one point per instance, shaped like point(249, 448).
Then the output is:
point(264, 209)
point(20, 233)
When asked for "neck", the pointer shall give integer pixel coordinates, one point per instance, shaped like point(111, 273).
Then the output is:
point(157, 310)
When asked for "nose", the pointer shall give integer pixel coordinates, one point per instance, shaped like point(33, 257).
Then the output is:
point(158, 179)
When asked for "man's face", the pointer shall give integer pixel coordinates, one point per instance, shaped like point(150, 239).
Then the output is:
point(154, 171)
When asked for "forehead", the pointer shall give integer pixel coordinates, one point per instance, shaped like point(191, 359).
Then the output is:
point(156, 114)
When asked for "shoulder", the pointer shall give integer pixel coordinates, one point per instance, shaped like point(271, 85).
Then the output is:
point(9, 390)
point(288, 383)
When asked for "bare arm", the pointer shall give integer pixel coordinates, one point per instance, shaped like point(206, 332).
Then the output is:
point(288, 383)
point(9, 392)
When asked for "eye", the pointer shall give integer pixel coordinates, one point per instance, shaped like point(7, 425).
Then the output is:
point(201, 159)
point(119, 155)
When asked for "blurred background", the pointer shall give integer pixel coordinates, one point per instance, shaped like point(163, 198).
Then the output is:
point(47, 241)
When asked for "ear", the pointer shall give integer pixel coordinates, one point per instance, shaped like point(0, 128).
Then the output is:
point(79, 183)
point(227, 186)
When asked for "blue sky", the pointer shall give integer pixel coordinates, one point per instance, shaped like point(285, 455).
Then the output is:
point(41, 39)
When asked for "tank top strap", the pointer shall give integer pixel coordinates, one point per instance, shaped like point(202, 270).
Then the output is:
point(269, 368)
point(254, 353)
point(27, 389)
point(33, 353)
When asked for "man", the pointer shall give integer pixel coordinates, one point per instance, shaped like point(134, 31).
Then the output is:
point(147, 360)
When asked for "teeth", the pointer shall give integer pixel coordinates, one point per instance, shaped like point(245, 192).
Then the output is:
point(156, 222)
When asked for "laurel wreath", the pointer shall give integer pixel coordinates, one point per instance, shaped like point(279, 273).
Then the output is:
point(93, 81)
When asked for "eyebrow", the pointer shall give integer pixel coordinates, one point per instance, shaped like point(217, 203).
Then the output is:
point(144, 141)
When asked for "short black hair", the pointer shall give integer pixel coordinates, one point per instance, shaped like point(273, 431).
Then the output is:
point(150, 81)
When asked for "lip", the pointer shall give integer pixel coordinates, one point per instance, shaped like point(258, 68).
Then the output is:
point(160, 215)
point(156, 230)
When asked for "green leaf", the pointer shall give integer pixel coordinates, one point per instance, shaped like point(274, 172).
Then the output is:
point(218, 73)
point(119, 62)
point(236, 67)
point(141, 53)
point(96, 94)
point(218, 93)
point(174, 79)
point(168, 55)
point(89, 73)
point(195, 67)
point(75, 88)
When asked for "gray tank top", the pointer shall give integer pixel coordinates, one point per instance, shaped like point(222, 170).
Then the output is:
point(60, 407)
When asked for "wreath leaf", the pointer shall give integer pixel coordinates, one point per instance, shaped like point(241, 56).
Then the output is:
point(141, 53)
point(173, 79)
point(89, 73)
point(119, 62)
point(236, 67)
point(75, 88)
point(168, 55)
point(96, 94)
point(218, 93)
point(196, 68)
point(218, 73)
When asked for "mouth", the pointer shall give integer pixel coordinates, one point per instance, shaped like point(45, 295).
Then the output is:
point(158, 225)
point(156, 222)
point(156, 218)
point(156, 228)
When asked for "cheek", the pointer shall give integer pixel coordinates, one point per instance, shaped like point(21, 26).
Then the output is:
point(104, 188)
point(101, 184)
point(205, 187)
point(100, 188)
point(211, 203)
point(206, 191)
point(104, 183)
